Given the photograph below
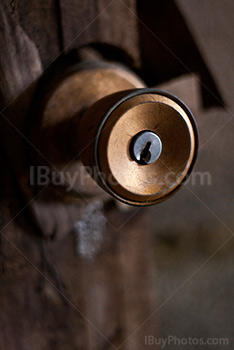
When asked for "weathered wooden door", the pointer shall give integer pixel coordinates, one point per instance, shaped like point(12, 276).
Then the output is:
point(74, 274)
point(53, 294)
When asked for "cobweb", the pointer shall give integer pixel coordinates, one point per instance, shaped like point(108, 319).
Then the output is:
point(89, 231)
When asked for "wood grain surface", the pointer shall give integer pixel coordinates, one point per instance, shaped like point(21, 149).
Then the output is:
point(51, 295)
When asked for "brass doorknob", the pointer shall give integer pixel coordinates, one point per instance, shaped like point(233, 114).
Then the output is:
point(138, 144)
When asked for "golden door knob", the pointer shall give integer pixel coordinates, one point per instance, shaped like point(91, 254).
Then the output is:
point(138, 144)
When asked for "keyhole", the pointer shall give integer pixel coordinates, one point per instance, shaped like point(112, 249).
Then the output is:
point(145, 154)
point(145, 147)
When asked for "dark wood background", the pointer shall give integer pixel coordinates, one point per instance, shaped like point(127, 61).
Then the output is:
point(52, 297)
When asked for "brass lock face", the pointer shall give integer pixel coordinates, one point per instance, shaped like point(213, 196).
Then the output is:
point(168, 129)
point(138, 144)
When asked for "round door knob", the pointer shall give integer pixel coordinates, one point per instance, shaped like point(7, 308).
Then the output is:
point(138, 144)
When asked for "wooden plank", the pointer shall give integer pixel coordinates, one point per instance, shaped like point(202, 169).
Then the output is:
point(138, 275)
point(104, 22)
point(115, 287)
point(35, 312)
point(169, 49)
point(79, 23)
point(29, 41)
point(211, 24)
point(74, 301)
point(50, 296)
point(26, 31)
point(118, 26)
